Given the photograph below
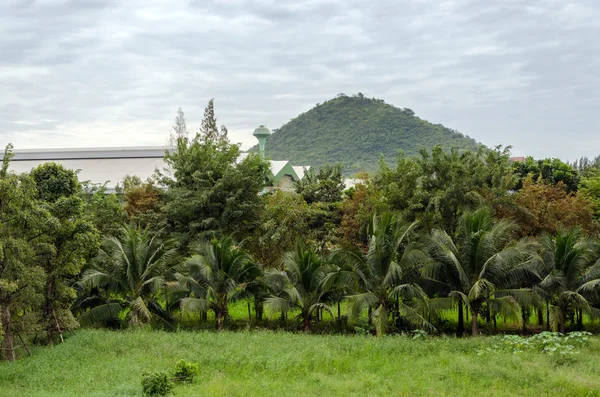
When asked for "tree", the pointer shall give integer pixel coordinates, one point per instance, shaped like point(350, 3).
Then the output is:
point(568, 278)
point(21, 277)
point(388, 273)
point(179, 128)
point(68, 239)
point(283, 220)
point(480, 267)
point(209, 131)
point(438, 186)
point(104, 210)
point(325, 186)
point(551, 171)
point(217, 274)
point(211, 191)
point(143, 205)
point(130, 273)
point(360, 203)
point(589, 188)
point(301, 285)
point(541, 207)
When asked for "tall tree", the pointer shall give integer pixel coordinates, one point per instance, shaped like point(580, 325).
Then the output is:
point(569, 279)
point(68, 240)
point(300, 286)
point(217, 274)
point(388, 273)
point(129, 274)
point(209, 131)
point(480, 267)
point(179, 128)
point(211, 190)
point(21, 277)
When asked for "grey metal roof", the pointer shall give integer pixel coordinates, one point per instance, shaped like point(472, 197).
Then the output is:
point(104, 166)
point(89, 153)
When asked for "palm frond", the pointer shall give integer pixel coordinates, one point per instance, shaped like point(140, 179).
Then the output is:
point(100, 314)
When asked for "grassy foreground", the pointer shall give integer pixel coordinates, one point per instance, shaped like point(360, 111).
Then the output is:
point(262, 363)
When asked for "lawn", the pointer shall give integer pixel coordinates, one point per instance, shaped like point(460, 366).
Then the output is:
point(265, 363)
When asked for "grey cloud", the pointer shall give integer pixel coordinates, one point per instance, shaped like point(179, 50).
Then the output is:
point(111, 72)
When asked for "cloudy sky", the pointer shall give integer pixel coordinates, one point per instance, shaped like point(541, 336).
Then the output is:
point(113, 72)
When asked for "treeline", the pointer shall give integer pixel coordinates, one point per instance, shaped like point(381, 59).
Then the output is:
point(467, 233)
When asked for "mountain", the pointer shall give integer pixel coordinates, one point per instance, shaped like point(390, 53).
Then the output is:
point(354, 131)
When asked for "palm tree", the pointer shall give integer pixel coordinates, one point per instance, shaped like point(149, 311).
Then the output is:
point(301, 285)
point(217, 274)
point(388, 273)
point(131, 271)
point(569, 280)
point(480, 267)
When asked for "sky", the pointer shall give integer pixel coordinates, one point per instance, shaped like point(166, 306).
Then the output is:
point(113, 72)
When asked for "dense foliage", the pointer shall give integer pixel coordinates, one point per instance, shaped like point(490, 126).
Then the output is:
point(424, 245)
point(356, 131)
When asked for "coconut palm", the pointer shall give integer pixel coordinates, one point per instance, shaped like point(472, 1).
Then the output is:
point(130, 271)
point(481, 267)
point(388, 273)
point(216, 275)
point(569, 280)
point(301, 285)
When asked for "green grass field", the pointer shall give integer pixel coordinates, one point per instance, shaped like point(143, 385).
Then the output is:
point(263, 363)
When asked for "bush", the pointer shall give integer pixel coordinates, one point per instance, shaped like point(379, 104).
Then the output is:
point(185, 371)
point(156, 384)
point(561, 348)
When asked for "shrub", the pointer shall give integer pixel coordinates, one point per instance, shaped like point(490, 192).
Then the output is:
point(560, 347)
point(156, 384)
point(185, 371)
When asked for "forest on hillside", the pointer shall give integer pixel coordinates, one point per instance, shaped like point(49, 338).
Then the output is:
point(356, 131)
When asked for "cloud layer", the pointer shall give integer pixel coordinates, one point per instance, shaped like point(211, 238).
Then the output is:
point(111, 72)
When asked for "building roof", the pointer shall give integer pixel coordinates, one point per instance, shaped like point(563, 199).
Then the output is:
point(108, 166)
point(104, 166)
point(300, 170)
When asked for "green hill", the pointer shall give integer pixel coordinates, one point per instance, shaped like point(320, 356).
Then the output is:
point(355, 131)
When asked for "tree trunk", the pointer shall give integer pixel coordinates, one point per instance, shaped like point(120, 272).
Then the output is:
point(561, 320)
point(221, 314)
point(339, 316)
point(258, 307)
point(49, 311)
point(579, 319)
point(9, 342)
point(524, 316)
point(460, 329)
point(306, 322)
point(495, 325)
point(474, 315)
point(249, 313)
point(547, 316)
point(540, 314)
